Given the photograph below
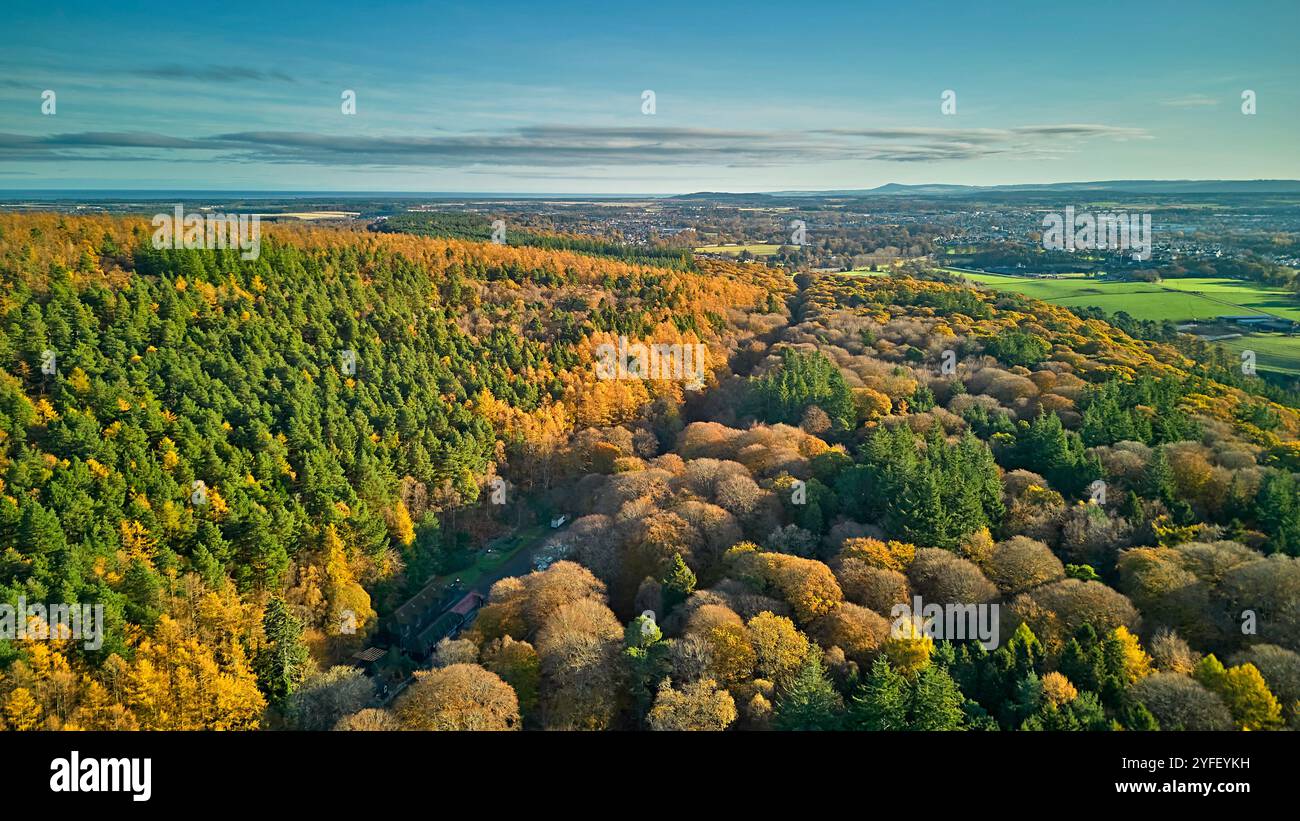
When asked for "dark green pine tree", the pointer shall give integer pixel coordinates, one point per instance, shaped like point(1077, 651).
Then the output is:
point(801, 380)
point(1158, 483)
point(1104, 421)
point(1083, 667)
point(1016, 659)
point(647, 660)
point(920, 513)
point(810, 703)
point(1042, 446)
point(282, 662)
point(39, 531)
point(1136, 716)
point(983, 477)
point(882, 702)
point(936, 701)
point(1278, 511)
point(977, 674)
point(1132, 509)
point(143, 591)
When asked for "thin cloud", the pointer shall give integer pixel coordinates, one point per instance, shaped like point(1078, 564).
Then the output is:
point(211, 73)
point(561, 146)
point(1191, 101)
point(992, 135)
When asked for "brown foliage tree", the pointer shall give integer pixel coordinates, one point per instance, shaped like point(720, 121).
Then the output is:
point(458, 697)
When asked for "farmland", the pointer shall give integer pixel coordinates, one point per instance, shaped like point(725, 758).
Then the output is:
point(1175, 299)
point(1178, 300)
point(758, 249)
point(1273, 352)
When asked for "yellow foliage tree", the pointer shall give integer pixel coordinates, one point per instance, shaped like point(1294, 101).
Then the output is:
point(778, 646)
point(21, 712)
point(889, 555)
point(908, 648)
point(1137, 664)
point(1057, 689)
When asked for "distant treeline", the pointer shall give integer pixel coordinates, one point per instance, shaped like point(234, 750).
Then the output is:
point(1213, 361)
point(478, 227)
point(1002, 257)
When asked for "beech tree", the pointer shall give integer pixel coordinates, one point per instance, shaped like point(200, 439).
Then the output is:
point(326, 699)
point(1182, 703)
point(457, 697)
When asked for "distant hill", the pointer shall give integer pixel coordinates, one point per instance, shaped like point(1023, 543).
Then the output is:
point(723, 196)
point(1119, 186)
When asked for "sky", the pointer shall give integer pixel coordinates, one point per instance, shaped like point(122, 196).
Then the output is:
point(550, 96)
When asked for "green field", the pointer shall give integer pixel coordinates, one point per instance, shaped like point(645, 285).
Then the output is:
point(502, 550)
point(1273, 352)
point(1255, 298)
point(1179, 300)
point(760, 249)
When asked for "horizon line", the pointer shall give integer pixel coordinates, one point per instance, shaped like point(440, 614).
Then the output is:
point(128, 193)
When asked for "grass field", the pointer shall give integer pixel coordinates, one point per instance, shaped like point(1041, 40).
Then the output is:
point(1273, 352)
point(502, 551)
point(315, 215)
point(1194, 298)
point(1257, 298)
point(760, 249)
point(1176, 299)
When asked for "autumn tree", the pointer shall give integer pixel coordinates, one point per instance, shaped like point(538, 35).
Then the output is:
point(371, 719)
point(779, 648)
point(579, 649)
point(1182, 703)
point(517, 663)
point(1020, 563)
point(1243, 689)
point(698, 706)
point(458, 697)
point(325, 699)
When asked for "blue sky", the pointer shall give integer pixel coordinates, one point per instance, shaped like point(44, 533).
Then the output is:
point(547, 96)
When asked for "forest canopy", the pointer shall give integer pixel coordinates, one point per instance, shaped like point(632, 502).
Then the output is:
point(252, 464)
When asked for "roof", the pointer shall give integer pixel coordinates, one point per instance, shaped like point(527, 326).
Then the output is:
point(415, 608)
point(468, 604)
point(441, 627)
point(368, 655)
